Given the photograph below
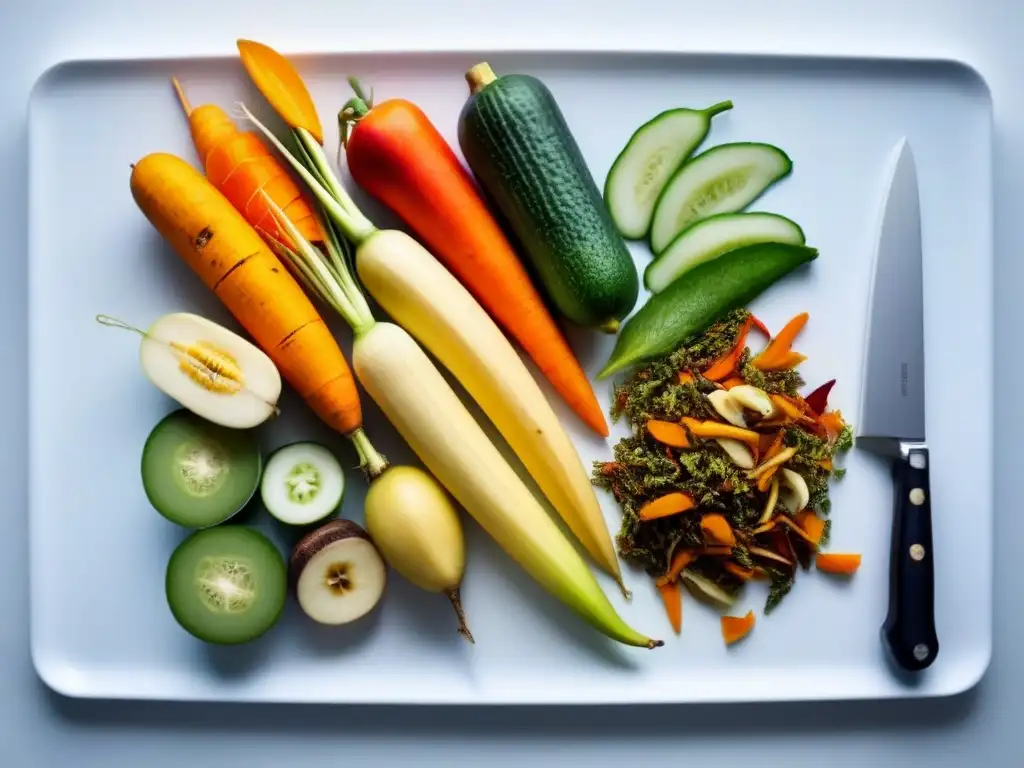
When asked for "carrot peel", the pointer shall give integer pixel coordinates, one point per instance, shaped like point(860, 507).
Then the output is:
point(281, 85)
point(717, 527)
point(713, 429)
point(672, 596)
point(726, 364)
point(668, 433)
point(778, 354)
point(735, 628)
point(680, 560)
point(667, 505)
point(812, 525)
point(842, 564)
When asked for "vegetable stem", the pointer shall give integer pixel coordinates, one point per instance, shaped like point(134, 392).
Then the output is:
point(370, 461)
point(718, 108)
point(480, 76)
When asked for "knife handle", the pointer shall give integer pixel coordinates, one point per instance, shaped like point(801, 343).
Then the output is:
point(909, 628)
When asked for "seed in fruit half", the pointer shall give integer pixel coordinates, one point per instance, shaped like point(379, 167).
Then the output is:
point(212, 371)
point(337, 573)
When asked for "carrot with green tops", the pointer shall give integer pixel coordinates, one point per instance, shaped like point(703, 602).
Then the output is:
point(241, 166)
point(397, 155)
point(228, 255)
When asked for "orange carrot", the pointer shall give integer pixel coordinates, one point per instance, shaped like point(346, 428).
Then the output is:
point(726, 364)
point(680, 560)
point(744, 574)
point(712, 429)
point(231, 259)
point(239, 164)
point(718, 528)
point(664, 506)
point(281, 85)
point(397, 155)
point(668, 433)
point(777, 353)
point(684, 377)
point(812, 525)
point(832, 422)
point(798, 530)
point(672, 595)
point(733, 381)
point(844, 565)
point(735, 628)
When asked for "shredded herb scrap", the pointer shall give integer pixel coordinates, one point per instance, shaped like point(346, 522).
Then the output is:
point(673, 388)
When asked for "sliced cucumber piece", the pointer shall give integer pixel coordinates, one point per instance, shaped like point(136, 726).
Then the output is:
point(302, 484)
point(711, 237)
point(196, 473)
point(725, 179)
point(226, 585)
point(650, 157)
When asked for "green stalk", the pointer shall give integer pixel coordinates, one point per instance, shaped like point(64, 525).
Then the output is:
point(339, 206)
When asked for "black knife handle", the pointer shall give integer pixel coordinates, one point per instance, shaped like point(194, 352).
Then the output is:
point(909, 628)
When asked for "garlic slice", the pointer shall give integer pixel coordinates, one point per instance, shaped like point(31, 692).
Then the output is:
point(793, 493)
point(738, 452)
point(753, 398)
point(727, 408)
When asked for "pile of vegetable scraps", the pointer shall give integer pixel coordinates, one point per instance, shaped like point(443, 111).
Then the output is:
point(726, 476)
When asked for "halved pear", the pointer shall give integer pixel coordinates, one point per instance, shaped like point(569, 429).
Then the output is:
point(210, 370)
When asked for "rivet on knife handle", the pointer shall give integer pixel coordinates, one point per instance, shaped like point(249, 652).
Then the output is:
point(909, 628)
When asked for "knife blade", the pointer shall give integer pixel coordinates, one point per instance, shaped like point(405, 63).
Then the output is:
point(892, 415)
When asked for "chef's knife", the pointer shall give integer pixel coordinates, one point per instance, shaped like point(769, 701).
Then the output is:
point(891, 420)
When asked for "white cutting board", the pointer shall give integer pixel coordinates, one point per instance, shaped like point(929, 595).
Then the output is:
point(100, 624)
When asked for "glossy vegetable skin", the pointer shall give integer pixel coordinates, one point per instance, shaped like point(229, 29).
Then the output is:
point(519, 146)
point(223, 249)
point(397, 154)
point(689, 306)
point(239, 164)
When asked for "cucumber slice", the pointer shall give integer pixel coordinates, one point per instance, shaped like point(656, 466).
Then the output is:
point(653, 153)
point(226, 585)
point(198, 474)
point(302, 484)
point(711, 237)
point(725, 179)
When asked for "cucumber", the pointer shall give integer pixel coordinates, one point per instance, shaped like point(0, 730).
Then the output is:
point(711, 289)
point(711, 237)
point(196, 473)
point(725, 179)
point(653, 153)
point(517, 143)
point(302, 484)
point(226, 585)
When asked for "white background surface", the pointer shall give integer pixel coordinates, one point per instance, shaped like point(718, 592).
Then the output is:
point(101, 255)
point(38, 728)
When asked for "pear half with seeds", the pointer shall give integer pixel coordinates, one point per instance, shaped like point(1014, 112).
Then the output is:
point(210, 370)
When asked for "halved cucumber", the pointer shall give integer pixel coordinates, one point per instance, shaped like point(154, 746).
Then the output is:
point(226, 585)
point(302, 484)
point(725, 179)
point(196, 473)
point(650, 157)
point(711, 237)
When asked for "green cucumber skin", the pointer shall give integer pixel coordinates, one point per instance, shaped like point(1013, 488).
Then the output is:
point(749, 240)
point(518, 145)
point(692, 303)
point(639, 135)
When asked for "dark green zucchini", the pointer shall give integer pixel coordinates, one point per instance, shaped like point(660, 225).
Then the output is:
point(518, 145)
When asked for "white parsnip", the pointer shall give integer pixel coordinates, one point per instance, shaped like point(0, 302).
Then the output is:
point(414, 396)
point(422, 296)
